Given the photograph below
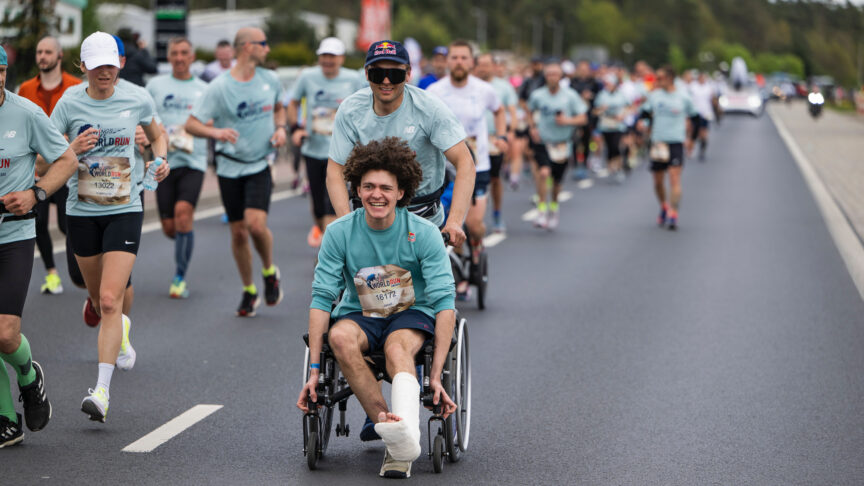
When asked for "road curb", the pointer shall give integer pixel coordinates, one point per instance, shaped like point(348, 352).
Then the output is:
point(845, 238)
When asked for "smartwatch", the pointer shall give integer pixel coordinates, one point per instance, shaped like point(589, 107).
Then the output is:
point(41, 195)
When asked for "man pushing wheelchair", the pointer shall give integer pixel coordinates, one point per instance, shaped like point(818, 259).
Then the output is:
point(398, 293)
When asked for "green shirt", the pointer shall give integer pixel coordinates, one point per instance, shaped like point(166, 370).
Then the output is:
point(351, 251)
point(175, 99)
point(24, 132)
point(323, 97)
point(106, 180)
point(423, 120)
point(247, 107)
point(670, 112)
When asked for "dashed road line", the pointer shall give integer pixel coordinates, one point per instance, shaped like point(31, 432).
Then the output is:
point(172, 428)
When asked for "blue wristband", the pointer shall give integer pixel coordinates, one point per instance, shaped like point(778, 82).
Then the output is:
point(315, 366)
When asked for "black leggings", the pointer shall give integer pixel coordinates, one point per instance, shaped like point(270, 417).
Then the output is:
point(43, 236)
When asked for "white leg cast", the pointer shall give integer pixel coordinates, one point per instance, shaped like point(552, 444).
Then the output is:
point(403, 438)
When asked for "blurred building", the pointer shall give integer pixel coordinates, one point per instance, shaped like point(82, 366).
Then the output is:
point(68, 14)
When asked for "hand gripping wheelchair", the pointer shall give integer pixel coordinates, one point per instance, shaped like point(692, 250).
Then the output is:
point(450, 439)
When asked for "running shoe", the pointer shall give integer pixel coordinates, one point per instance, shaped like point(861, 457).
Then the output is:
point(248, 305)
point(273, 288)
point(127, 355)
point(673, 223)
point(313, 239)
point(661, 219)
point(178, 289)
point(553, 221)
point(498, 225)
point(367, 433)
point(395, 469)
point(12, 433)
point(37, 408)
point(91, 317)
point(96, 404)
point(514, 182)
point(541, 221)
point(52, 284)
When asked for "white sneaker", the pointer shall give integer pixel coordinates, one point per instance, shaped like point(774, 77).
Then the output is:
point(96, 404)
point(126, 358)
point(553, 221)
point(395, 469)
point(541, 221)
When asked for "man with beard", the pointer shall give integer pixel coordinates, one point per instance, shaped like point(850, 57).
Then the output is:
point(248, 125)
point(44, 90)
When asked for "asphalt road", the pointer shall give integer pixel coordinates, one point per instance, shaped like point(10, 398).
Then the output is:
point(611, 352)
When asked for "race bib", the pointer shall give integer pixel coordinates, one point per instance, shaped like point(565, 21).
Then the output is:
point(323, 120)
point(384, 290)
point(493, 147)
point(178, 139)
point(558, 152)
point(659, 152)
point(521, 123)
point(106, 181)
point(609, 124)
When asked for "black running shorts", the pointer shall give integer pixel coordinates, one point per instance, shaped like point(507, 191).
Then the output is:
point(676, 158)
point(94, 235)
point(247, 192)
point(496, 161)
point(613, 144)
point(182, 184)
point(16, 266)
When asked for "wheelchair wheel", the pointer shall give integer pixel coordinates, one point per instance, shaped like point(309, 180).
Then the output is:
point(311, 443)
point(482, 280)
point(326, 413)
point(438, 454)
point(463, 386)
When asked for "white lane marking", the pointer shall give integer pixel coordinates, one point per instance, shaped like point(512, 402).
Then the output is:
point(585, 184)
point(172, 428)
point(59, 247)
point(564, 196)
point(493, 239)
point(530, 215)
point(839, 227)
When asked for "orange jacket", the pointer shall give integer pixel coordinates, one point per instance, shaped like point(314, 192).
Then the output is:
point(32, 90)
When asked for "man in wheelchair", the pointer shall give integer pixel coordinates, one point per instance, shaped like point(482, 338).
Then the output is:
point(398, 293)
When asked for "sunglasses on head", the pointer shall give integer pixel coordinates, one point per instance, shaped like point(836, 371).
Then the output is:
point(395, 75)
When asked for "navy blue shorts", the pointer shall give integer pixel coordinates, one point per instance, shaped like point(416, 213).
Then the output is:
point(378, 328)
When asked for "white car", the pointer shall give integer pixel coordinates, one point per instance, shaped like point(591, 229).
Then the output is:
point(747, 100)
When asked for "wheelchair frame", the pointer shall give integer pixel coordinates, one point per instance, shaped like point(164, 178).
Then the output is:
point(461, 264)
point(451, 438)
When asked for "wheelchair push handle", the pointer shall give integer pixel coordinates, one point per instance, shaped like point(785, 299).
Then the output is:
point(446, 237)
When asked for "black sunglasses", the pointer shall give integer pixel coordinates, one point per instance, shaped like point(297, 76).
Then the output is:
point(396, 76)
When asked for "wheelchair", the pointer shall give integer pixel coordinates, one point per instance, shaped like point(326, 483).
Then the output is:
point(464, 269)
point(450, 438)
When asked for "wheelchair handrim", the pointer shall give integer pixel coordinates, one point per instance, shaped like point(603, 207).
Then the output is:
point(463, 387)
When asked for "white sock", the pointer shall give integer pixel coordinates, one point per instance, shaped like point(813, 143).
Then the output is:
point(403, 438)
point(105, 372)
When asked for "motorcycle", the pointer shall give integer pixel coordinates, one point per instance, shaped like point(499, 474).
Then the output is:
point(815, 101)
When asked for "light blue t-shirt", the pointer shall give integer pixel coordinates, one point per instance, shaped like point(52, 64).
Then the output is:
point(615, 102)
point(354, 255)
point(508, 98)
point(25, 131)
point(669, 115)
point(107, 176)
point(323, 97)
point(175, 99)
point(429, 127)
point(565, 100)
point(247, 107)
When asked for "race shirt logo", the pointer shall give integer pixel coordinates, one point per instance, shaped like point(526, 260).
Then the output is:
point(125, 114)
point(253, 110)
point(412, 237)
point(108, 137)
point(10, 134)
point(173, 102)
point(410, 130)
point(4, 163)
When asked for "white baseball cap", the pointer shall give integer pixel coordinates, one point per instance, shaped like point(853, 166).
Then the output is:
point(331, 45)
point(100, 49)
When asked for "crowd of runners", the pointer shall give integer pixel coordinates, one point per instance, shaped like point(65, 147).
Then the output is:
point(477, 124)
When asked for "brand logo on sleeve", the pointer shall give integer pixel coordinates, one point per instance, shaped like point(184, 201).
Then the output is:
point(125, 114)
point(10, 134)
point(412, 237)
point(410, 129)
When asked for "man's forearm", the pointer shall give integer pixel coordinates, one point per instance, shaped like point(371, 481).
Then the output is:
point(280, 115)
point(445, 321)
point(293, 110)
point(463, 187)
point(59, 172)
point(336, 189)
point(318, 321)
point(195, 128)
